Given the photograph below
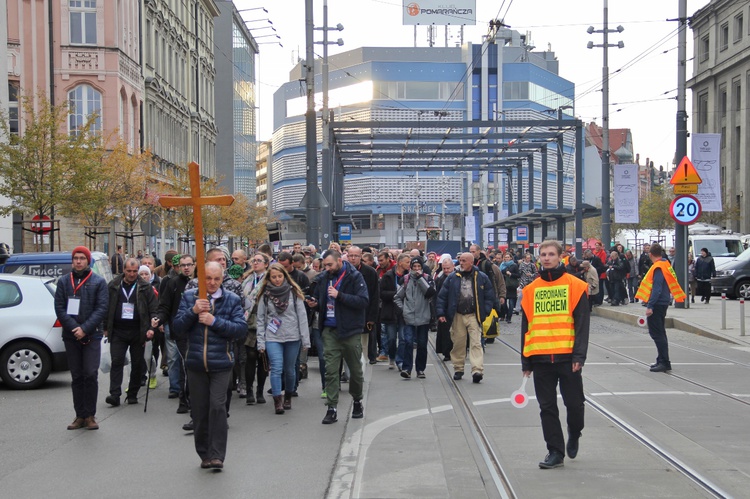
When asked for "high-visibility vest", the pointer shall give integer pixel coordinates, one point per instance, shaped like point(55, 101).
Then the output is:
point(549, 307)
point(647, 284)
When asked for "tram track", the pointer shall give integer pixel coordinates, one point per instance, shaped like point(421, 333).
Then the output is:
point(699, 480)
point(484, 443)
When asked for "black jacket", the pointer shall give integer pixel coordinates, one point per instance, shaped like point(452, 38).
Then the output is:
point(170, 296)
point(389, 312)
point(351, 302)
point(146, 305)
point(370, 276)
point(644, 263)
point(581, 322)
point(92, 310)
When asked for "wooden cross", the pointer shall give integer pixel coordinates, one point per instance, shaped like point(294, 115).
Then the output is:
point(196, 201)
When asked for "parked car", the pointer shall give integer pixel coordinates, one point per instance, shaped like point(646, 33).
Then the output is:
point(733, 277)
point(31, 344)
point(53, 264)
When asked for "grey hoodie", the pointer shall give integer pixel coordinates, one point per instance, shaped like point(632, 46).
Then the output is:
point(293, 322)
point(413, 299)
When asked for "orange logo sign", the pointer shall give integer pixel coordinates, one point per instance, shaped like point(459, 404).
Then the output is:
point(685, 173)
point(413, 9)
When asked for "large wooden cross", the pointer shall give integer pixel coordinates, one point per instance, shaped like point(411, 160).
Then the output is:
point(196, 201)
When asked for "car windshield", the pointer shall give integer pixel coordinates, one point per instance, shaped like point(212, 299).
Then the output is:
point(744, 256)
point(719, 247)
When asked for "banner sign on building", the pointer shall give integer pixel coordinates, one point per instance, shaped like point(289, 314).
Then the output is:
point(345, 232)
point(489, 234)
point(705, 158)
point(441, 12)
point(470, 228)
point(626, 194)
point(522, 233)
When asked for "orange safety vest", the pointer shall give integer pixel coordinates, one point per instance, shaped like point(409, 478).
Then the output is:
point(644, 290)
point(549, 310)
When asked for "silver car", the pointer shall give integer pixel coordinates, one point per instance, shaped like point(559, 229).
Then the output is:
point(31, 344)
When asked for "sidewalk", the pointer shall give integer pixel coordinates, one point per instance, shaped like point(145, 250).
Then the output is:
point(702, 319)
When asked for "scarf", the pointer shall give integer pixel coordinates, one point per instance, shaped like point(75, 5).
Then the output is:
point(505, 265)
point(80, 274)
point(279, 295)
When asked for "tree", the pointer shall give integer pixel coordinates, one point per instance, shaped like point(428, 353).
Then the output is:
point(131, 200)
point(248, 221)
point(37, 166)
point(654, 210)
point(731, 211)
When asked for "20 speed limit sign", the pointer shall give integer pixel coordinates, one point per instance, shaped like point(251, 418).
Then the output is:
point(685, 210)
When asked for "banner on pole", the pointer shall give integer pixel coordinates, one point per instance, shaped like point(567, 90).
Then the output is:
point(470, 228)
point(626, 194)
point(705, 158)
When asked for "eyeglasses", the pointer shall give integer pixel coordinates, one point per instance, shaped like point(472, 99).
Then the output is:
point(187, 265)
point(258, 260)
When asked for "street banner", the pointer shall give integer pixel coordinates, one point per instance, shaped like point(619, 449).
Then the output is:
point(440, 12)
point(489, 234)
point(705, 158)
point(470, 228)
point(626, 194)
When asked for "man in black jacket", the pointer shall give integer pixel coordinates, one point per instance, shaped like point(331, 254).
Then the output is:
point(170, 295)
point(132, 304)
point(81, 306)
point(369, 341)
point(341, 306)
point(390, 316)
point(617, 269)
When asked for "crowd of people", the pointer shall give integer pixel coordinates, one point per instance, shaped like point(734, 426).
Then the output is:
point(264, 312)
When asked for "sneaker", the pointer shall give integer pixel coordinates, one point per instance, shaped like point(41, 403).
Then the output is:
point(382, 358)
point(242, 393)
point(152, 383)
point(132, 400)
point(331, 416)
point(112, 400)
point(182, 409)
point(399, 366)
point(358, 412)
point(406, 374)
point(458, 375)
point(420, 374)
point(552, 460)
point(391, 365)
point(324, 395)
point(477, 377)
point(173, 395)
point(250, 398)
point(188, 426)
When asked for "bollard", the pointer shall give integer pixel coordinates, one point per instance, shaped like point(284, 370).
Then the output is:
point(742, 317)
point(723, 311)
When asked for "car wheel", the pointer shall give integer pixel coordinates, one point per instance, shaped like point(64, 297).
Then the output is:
point(25, 365)
point(742, 290)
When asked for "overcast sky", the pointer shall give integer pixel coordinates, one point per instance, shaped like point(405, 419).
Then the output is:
point(643, 81)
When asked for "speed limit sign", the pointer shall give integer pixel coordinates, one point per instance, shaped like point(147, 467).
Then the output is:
point(685, 210)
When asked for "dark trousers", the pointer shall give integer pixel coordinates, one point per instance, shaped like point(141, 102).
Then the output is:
point(254, 364)
point(182, 346)
point(618, 293)
point(546, 378)
point(119, 343)
point(602, 287)
point(208, 397)
point(83, 361)
point(372, 344)
point(658, 333)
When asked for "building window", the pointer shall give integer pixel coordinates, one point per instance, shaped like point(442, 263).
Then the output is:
point(723, 137)
point(84, 101)
point(738, 28)
point(724, 36)
point(702, 112)
point(703, 54)
point(723, 101)
point(13, 108)
point(82, 22)
point(737, 92)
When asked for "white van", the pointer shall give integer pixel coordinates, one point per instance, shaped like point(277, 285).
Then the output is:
point(723, 247)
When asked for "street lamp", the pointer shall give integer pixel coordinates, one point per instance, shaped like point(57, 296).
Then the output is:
point(606, 215)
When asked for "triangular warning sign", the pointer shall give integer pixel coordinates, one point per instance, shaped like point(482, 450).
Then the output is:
point(685, 173)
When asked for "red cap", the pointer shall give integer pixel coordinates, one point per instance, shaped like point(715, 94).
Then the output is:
point(82, 249)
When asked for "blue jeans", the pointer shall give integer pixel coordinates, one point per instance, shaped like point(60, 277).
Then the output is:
point(412, 334)
point(317, 339)
point(173, 362)
point(388, 337)
point(282, 357)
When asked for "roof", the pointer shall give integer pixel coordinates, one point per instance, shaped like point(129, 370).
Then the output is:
point(618, 138)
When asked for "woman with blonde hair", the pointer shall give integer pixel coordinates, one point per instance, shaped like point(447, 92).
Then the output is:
point(282, 329)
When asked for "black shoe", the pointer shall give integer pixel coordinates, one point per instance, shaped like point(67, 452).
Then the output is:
point(420, 375)
point(331, 416)
point(458, 375)
point(173, 395)
point(250, 399)
point(659, 368)
point(477, 377)
point(446, 358)
point(373, 362)
point(508, 321)
point(182, 409)
point(344, 378)
point(358, 412)
point(132, 400)
point(112, 400)
point(188, 426)
point(572, 446)
point(703, 299)
point(406, 374)
point(259, 398)
point(552, 460)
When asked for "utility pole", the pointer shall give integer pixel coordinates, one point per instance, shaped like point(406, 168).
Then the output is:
point(312, 197)
point(606, 174)
point(681, 232)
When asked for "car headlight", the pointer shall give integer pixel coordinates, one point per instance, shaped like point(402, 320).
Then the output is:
point(724, 273)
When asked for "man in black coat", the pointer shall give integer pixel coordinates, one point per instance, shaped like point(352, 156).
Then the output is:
point(369, 340)
point(132, 304)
